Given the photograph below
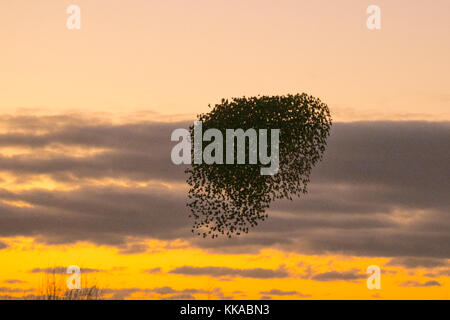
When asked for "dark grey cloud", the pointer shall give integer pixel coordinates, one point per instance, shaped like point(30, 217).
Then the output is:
point(381, 190)
point(403, 241)
point(21, 297)
point(153, 270)
point(133, 248)
point(276, 292)
point(411, 262)
point(351, 275)
point(432, 283)
point(103, 215)
point(258, 273)
point(438, 273)
point(14, 281)
point(14, 290)
point(168, 292)
point(184, 296)
point(134, 151)
point(120, 294)
point(3, 245)
point(63, 270)
point(164, 290)
point(392, 153)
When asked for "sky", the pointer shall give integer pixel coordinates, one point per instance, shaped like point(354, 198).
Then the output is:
point(85, 172)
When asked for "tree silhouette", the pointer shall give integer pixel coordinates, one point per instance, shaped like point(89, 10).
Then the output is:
point(229, 199)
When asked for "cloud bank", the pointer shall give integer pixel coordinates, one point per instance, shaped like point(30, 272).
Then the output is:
point(381, 190)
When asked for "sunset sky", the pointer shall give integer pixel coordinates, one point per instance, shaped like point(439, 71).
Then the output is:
point(85, 172)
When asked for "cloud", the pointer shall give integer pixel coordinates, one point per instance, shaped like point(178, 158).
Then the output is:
point(133, 248)
point(258, 273)
point(438, 273)
point(351, 275)
point(180, 297)
point(276, 292)
point(22, 297)
point(417, 262)
point(138, 151)
point(120, 294)
point(153, 270)
point(14, 281)
point(3, 245)
point(164, 290)
point(14, 290)
point(381, 189)
point(103, 215)
point(63, 270)
point(431, 283)
point(168, 292)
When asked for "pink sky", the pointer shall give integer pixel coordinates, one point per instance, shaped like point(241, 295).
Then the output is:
point(175, 57)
